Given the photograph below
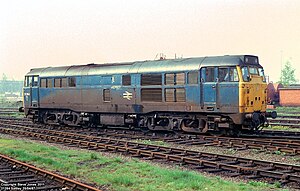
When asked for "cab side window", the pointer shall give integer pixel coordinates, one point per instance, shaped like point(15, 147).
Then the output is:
point(26, 81)
point(209, 74)
point(30, 81)
point(223, 75)
point(233, 74)
point(35, 81)
point(228, 74)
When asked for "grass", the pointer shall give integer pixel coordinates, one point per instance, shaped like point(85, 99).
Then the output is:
point(281, 128)
point(284, 110)
point(118, 173)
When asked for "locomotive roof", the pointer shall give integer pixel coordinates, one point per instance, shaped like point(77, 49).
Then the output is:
point(166, 65)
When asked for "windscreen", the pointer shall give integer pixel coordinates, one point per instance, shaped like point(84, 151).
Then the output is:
point(252, 70)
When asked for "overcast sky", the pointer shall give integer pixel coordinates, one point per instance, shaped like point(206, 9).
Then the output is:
point(40, 33)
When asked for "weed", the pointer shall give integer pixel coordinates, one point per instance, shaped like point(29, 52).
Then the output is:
point(277, 184)
point(94, 156)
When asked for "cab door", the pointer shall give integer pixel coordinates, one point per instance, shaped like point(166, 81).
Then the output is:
point(209, 88)
point(27, 92)
point(228, 89)
point(34, 91)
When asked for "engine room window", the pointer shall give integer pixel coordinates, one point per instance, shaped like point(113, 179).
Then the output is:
point(245, 74)
point(35, 81)
point(175, 79)
point(175, 95)
point(72, 82)
point(170, 95)
point(192, 77)
point(64, 82)
point(106, 95)
point(169, 79)
point(209, 75)
point(57, 82)
point(126, 80)
point(43, 83)
point(180, 79)
point(49, 83)
point(151, 79)
point(180, 94)
point(151, 94)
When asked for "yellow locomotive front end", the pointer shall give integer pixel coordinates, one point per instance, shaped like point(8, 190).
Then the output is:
point(253, 94)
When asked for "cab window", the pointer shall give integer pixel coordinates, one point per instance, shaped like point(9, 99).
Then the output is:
point(26, 81)
point(245, 74)
point(233, 75)
point(35, 81)
point(223, 75)
point(253, 70)
point(228, 74)
point(262, 74)
point(30, 81)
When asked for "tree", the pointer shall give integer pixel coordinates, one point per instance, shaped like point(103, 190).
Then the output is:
point(4, 77)
point(287, 75)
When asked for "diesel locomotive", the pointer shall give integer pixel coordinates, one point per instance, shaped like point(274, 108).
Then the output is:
point(220, 94)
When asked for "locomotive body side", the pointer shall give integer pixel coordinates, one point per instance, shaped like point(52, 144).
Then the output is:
point(196, 94)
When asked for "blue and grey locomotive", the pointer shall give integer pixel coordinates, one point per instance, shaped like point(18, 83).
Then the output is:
point(222, 94)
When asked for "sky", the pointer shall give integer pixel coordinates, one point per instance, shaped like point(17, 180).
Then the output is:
point(42, 33)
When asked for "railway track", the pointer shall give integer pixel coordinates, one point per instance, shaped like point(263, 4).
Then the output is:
point(288, 146)
point(264, 133)
point(8, 111)
point(8, 108)
point(16, 175)
point(292, 122)
point(289, 116)
point(209, 162)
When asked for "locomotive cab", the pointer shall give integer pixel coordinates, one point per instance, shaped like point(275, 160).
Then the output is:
point(253, 94)
point(31, 95)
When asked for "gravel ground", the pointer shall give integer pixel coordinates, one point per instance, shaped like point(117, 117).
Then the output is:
point(249, 153)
